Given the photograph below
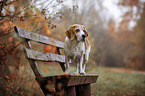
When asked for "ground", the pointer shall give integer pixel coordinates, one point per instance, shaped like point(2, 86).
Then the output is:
point(111, 81)
point(118, 82)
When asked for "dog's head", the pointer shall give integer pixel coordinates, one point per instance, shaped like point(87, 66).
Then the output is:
point(77, 32)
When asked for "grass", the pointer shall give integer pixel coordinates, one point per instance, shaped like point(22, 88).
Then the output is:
point(110, 83)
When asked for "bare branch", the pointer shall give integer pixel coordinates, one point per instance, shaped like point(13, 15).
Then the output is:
point(35, 26)
point(10, 50)
point(48, 4)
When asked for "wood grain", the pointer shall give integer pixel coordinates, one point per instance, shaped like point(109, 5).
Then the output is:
point(33, 63)
point(71, 80)
point(38, 38)
point(41, 56)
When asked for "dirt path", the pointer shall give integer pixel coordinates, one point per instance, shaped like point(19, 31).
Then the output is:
point(125, 70)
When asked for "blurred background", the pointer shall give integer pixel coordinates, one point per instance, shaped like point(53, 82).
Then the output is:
point(116, 32)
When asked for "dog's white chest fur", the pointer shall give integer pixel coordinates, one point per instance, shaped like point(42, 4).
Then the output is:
point(73, 49)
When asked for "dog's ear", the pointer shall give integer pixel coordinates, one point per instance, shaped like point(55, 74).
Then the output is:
point(70, 33)
point(85, 31)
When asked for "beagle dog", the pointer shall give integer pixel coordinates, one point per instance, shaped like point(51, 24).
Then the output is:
point(76, 48)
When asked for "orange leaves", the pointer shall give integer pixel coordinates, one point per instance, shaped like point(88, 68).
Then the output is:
point(66, 75)
point(55, 50)
point(36, 14)
point(49, 17)
point(49, 49)
point(10, 39)
point(59, 77)
point(2, 14)
point(111, 28)
point(45, 69)
point(129, 2)
point(43, 12)
point(46, 26)
point(3, 54)
point(49, 22)
point(53, 26)
point(47, 30)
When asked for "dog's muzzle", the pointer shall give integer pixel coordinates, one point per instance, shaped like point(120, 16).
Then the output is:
point(83, 37)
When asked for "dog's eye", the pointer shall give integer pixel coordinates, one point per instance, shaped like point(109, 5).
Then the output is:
point(84, 30)
point(77, 30)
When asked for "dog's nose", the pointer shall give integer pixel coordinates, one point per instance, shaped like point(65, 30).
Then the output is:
point(84, 36)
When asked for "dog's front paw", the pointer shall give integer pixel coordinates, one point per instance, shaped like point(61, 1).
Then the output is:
point(76, 73)
point(82, 73)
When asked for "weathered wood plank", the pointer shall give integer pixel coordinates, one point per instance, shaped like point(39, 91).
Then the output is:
point(71, 91)
point(38, 38)
point(83, 90)
point(79, 80)
point(33, 63)
point(41, 56)
point(70, 80)
point(61, 64)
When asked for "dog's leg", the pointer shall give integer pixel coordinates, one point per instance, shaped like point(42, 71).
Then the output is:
point(82, 72)
point(77, 68)
point(76, 61)
point(67, 65)
point(85, 60)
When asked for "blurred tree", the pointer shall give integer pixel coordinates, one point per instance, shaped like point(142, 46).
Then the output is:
point(134, 37)
point(111, 46)
point(33, 15)
point(90, 16)
point(138, 38)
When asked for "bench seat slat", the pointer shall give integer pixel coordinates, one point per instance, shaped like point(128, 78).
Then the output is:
point(38, 38)
point(70, 80)
point(41, 56)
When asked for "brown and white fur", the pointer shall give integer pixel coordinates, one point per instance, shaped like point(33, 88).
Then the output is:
point(76, 48)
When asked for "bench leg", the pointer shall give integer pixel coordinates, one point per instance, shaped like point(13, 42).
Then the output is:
point(65, 91)
point(83, 90)
point(70, 91)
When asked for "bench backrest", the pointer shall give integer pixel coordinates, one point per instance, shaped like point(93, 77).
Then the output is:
point(33, 55)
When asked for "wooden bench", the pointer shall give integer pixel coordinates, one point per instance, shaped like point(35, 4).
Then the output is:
point(65, 85)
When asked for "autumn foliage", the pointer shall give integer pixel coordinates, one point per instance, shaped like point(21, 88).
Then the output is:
point(49, 49)
point(121, 46)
